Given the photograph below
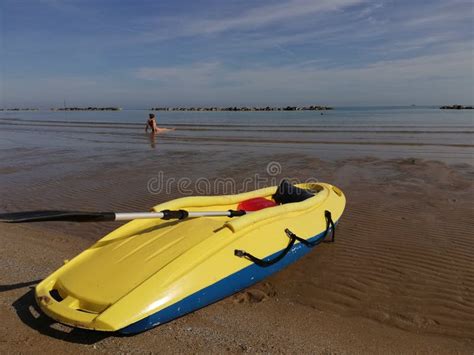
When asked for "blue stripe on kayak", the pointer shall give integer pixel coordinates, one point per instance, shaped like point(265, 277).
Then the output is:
point(219, 290)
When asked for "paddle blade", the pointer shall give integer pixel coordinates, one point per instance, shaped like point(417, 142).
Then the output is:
point(44, 216)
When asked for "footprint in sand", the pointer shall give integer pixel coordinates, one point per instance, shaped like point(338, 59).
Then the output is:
point(257, 294)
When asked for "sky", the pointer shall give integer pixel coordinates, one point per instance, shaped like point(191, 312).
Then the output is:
point(140, 54)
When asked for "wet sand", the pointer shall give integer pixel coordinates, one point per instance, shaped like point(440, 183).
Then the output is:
point(400, 277)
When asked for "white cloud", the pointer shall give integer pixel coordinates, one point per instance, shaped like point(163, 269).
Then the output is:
point(270, 14)
point(350, 23)
point(426, 79)
point(196, 72)
point(251, 19)
point(442, 14)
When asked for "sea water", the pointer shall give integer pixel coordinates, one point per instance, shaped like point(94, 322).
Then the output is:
point(388, 132)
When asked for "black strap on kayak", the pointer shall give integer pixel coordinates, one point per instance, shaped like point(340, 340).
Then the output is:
point(330, 226)
point(293, 238)
point(265, 263)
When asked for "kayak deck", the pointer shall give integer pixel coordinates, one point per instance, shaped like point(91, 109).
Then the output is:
point(112, 268)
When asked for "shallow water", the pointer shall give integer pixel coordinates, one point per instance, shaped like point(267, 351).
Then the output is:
point(390, 132)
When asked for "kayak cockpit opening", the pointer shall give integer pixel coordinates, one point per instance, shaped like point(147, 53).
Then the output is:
point(285, 193)
point(289, 193)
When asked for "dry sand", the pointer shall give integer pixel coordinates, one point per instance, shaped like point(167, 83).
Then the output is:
point(399, 279)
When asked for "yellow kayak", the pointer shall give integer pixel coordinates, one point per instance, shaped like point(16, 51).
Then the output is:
point(151, 271)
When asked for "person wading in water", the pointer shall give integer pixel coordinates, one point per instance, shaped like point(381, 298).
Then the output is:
point(151, 123)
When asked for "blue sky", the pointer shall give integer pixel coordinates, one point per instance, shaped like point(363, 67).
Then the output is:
point(269, 52)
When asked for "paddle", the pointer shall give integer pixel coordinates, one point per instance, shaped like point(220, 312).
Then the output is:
point(76, 216)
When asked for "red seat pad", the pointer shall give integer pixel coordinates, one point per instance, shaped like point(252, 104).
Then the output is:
point(255, 204)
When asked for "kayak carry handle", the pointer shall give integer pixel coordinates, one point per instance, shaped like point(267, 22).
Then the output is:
point(293, 238)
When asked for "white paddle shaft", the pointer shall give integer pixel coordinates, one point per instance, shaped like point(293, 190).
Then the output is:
point(151, 215)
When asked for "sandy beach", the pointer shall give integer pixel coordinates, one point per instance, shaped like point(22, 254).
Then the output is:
point(398, 279)
point(111, 109)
